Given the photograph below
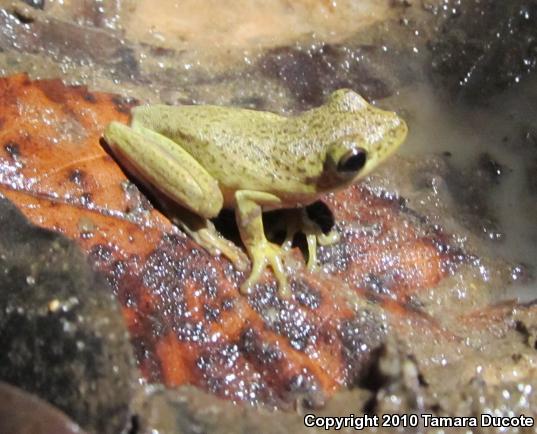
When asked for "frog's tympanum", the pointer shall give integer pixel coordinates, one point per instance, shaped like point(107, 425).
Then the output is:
point(207, 158)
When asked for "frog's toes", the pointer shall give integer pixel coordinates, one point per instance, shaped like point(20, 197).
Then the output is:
point(319, 239)
point(291, 230)
point(312, 251)
point(267, 254)
point(216, 245)
point(287, 244)
point(328, 239)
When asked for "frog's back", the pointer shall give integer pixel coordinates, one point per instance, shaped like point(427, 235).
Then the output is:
point(242, 149)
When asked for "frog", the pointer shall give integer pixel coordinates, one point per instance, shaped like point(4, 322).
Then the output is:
point(208, 157)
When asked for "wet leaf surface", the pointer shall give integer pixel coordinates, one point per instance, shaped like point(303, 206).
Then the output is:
point(188, 323)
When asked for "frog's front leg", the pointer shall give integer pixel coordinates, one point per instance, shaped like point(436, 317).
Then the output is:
point(249, 213)
point(315, 236)
point(299, 221)
point(165, 165)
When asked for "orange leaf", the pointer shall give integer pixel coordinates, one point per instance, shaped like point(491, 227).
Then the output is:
point(187, 320)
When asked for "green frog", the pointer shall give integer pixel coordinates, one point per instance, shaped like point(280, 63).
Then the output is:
point(209, 157)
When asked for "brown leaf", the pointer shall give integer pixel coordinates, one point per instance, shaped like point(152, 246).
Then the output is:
point(188, 322)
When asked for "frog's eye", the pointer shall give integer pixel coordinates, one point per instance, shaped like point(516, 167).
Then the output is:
point(353, 160)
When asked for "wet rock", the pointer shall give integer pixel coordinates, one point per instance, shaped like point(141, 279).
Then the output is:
point(502, 386)
point(23, 413)
point(37, 4)
point(62, 41)
point(470, 191)
point(189, 410)
point(62, 335)
point(483, 47)
point(311, 73)
point(490, 168)
point(531, 177)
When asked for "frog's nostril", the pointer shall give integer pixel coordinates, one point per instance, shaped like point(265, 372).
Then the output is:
point(353, 160)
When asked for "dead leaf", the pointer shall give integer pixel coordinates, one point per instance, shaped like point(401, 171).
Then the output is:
point(187, 320)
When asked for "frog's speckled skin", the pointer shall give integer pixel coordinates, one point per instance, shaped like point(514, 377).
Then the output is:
point(209, 157)
point(261, 151)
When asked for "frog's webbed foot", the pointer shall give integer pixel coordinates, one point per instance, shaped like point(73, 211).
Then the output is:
point(263, 255)
point(261, 251)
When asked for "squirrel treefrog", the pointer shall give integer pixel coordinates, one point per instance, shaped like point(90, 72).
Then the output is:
point(208, 157)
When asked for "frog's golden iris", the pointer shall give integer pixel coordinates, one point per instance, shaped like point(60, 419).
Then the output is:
point(209, 157)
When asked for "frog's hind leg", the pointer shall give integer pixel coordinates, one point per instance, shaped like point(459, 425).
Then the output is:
point(164, 164)
point(250, 221)
point(203, 232)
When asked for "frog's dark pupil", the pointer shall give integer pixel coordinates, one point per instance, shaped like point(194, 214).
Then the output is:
point(353, 160)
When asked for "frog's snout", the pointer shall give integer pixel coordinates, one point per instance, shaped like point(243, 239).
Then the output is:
point(399, 130)
point(403, 128)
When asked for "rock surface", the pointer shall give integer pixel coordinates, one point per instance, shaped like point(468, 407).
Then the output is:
point(61, 332)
